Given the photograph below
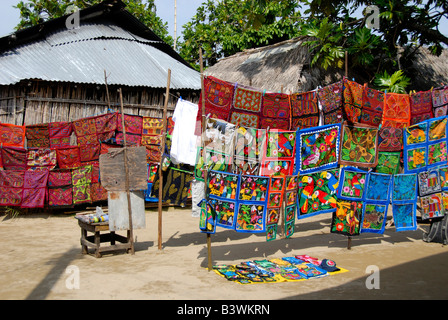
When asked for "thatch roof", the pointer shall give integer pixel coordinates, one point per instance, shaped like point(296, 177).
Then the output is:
point(286, 66)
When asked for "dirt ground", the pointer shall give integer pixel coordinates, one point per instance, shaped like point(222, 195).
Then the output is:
point(40, 251)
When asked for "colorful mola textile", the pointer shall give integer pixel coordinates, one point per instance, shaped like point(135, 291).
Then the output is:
point(405, 216)
point(252, 204)
point(421, 106)
point(12, 135)
point(373, 104)
point(60, 190)
point(346, 219)
point(425, 145)
point(317, 193)
point(68, 157)
point(279, 153)
point(225, 212)
point(93, 130)
point(152, 129)
point(249, 143)
point(359, 145)
point(317, 148)
point(390, 139)
point(218, 100)
point(11, 187)
point(222, 188)
point(352, 183)
point(41, 158)
point(437, 141)
point(432, 206)
point(352, 102)
point(38, 136)
point(376, 195)
point(275, 202)
point(275, 111)
point(14, 158)
point(176, 185)
point(35, 188)
point(404, 201)
point(388, 162)
point(81, 181)
point(247, 106)
point(397, 110)
point(440, 101)
point(133, 126)
point(59, 134)
point(304, 110)
point(429, 182)
point(330, 97)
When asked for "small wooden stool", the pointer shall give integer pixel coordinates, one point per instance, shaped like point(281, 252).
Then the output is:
point(96, 240)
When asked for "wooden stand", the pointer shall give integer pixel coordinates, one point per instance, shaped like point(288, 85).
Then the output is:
point(96, 240)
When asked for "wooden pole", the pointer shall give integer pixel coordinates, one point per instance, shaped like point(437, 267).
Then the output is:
point(167, 93)
point(204, 119)
point(128, 193)
point(349, 239)
point(107, 90)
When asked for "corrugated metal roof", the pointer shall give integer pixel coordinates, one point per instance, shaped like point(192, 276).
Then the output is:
point(81, 55)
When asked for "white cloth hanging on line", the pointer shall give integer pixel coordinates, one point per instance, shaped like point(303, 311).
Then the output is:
point(183, 140)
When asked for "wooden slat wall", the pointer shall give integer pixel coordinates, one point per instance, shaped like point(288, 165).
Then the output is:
point(42, 102)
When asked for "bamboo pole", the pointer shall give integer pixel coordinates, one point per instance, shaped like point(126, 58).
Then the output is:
point(209, 239)
point(160, 166)
point(128, 193)
point(349, 239)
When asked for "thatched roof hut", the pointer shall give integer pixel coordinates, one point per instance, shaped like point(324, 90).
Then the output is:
point(286, 66)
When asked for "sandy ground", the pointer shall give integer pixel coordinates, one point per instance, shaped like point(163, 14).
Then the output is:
point(39, 250)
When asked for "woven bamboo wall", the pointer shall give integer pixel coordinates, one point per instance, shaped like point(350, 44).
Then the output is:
point(34, 102)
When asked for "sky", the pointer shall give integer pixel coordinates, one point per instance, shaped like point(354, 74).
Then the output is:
point(9, 16)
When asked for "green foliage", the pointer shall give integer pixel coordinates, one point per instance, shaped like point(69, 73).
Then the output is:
point(223, 28)
point(363, 47)
point(397, 82)
point(33, 12)
point(324, 44)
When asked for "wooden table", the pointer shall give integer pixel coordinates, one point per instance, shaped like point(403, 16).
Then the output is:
point(97, 238)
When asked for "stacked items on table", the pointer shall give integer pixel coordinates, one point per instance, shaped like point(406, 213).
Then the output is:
point(286, 269)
